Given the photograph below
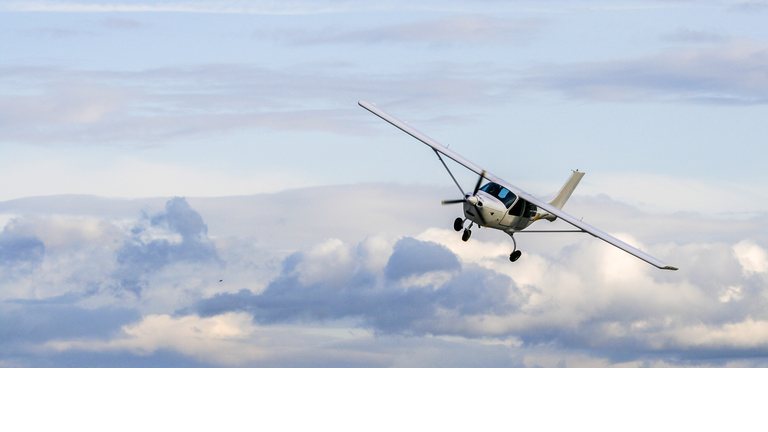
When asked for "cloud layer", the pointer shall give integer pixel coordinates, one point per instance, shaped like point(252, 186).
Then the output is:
point(154, 288)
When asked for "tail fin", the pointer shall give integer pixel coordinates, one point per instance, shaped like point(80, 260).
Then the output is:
point(567, 190)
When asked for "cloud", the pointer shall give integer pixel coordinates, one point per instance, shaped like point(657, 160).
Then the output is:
point(29, 322)
point(588, 296)
point(20, 249)
point(412, 257)
point(730, 74)
point(117, 23)
point(750, 6)
point(58, 33)
point(753, 258)
point(55, 105)
point(408, 297)
point(696, 36)
point(459, 29)
point(216, 339)
point(218, 7)
point(571, 299)
point(286, 7)
point(144, 255)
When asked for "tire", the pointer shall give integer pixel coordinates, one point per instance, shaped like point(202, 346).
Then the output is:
point(465, 236)
point(458, 224)
point(514, 256)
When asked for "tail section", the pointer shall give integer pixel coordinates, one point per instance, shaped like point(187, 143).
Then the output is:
point(567, 190)
point(559, 200)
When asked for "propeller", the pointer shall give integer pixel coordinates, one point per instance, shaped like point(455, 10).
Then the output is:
point(473, 200)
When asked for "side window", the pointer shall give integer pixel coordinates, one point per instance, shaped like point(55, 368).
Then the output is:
point(532, 209)
point(517, 209)
point(506, 197)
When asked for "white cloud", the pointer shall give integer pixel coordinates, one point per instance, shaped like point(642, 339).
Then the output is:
point(659, 193)
point(226, 339)
point(752, 257)
point(131, 177)
point(566, 293)
point(747, 334)
point(732, 293)
point(328, 262)
point(375, 251)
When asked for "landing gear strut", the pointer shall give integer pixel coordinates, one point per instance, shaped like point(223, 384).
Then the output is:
point(467, 232)
point(515, 255)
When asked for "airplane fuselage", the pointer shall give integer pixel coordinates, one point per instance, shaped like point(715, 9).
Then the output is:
point(501, 209)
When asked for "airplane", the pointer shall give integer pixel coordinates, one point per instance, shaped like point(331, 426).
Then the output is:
point(505, 207)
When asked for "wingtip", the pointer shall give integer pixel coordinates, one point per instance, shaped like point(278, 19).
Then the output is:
point(669, 268)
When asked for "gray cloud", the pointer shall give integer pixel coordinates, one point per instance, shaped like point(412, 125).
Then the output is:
point(140, 257)
point(750, 6)
point(384, 304)
point(731, 74)
point(569, 300)
point(15, 249)
point(118, 23)
point(412, 257)
point(696, 36)
point(58, 33)
point(39, 321)
point(54, 105)
point(460, 29)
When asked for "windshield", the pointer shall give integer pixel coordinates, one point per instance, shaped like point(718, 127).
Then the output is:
point(500, 192)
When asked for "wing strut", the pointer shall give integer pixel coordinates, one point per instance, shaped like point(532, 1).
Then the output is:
point(450, 173)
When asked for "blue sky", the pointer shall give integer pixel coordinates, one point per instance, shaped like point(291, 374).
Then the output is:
point(151, 149)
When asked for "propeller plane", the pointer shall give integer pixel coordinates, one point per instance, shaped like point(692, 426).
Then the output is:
point(505, 207)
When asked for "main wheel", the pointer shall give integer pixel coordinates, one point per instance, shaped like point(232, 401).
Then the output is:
point(458, 224)
point(514, 256)
point(465, 236)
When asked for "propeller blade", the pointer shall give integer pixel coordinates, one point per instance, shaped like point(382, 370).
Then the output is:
point(480, 215)
point(479, 181)
point(454, 201)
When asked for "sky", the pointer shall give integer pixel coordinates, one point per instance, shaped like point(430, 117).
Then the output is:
point(192, 183)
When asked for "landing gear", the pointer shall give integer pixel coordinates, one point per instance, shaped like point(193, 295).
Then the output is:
point(515, 255)
point(458, 224)
point(466, 234)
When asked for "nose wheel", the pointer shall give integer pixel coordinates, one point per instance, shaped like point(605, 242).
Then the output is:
point(458, 224)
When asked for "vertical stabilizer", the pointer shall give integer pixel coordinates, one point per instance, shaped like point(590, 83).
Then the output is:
point(567, 190)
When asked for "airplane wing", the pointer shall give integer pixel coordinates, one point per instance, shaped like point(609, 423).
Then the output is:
point(522, 194)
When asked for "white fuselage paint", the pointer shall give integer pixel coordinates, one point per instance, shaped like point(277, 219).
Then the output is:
point(495, 213)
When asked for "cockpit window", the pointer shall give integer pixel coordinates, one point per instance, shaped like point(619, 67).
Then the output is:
point(500, 192)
